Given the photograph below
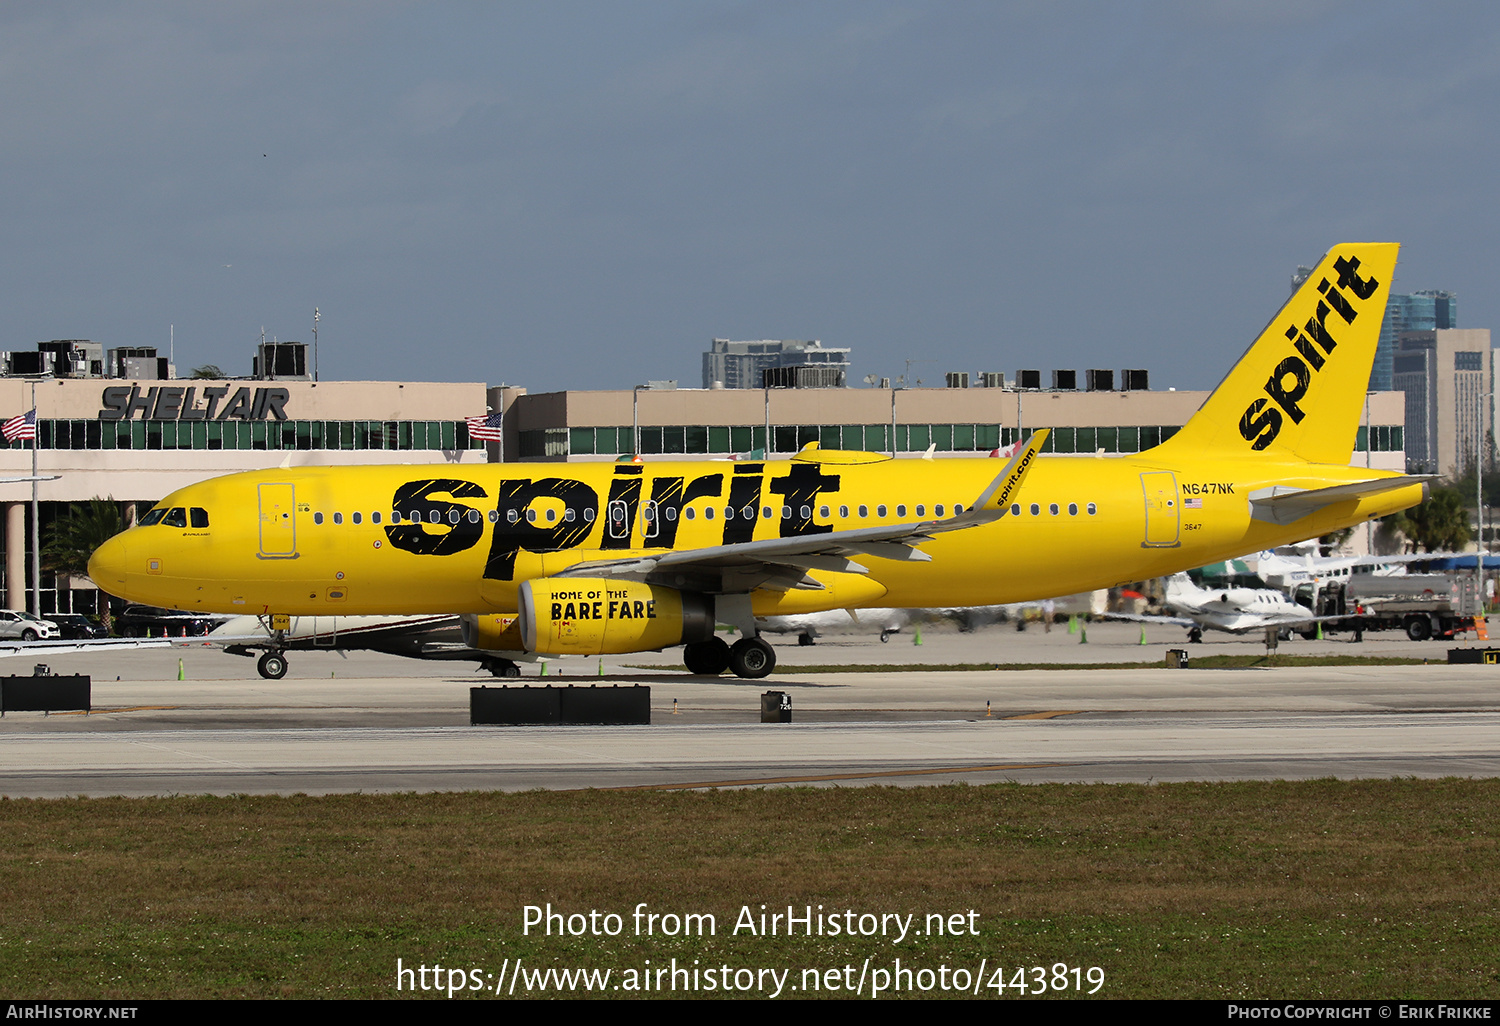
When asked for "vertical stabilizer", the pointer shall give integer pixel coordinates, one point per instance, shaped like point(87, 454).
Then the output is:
point(1299, 390)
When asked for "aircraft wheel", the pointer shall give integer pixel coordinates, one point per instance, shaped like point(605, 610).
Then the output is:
point(503, 668)
point(706, 658)
point(806, 639)
point(28, 635)
point(1195, 636)
point(752, 658)
point(1418, 628)
point(885, 637)
point(272, 665)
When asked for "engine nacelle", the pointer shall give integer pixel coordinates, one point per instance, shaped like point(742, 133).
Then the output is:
point(597, 616)
point(494, 632)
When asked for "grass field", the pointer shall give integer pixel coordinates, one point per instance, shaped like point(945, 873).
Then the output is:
point(1247, 890)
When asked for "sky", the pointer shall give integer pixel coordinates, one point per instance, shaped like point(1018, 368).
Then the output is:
point(582, 195)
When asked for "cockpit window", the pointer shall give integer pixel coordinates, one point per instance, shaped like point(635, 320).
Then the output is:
point(176, 517)
point(198, 516)
point(154, 517)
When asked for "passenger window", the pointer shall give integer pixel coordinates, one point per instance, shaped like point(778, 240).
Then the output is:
point(901, 510)
point(338, 518)
point(588, 514)
point(552, 515)
point(198, 516)
point(1015, 509)
point(806, 512)
point(453, 516)
point(728, 512)
point(864, 511)
point(1072, 509)
point(1052, 509)
point(748, 512)
point(957, 508)
point(375, 517)
point(473, 516)
point(153, 518)
point(786, 512)
point(766, 513)
point(1092, 509)
point(512, 516)
point(494, 516)
point(176, 517)
point(1036, 510)
point(354, 518)
point(568, 515)
point(670, 513)
point(843, 512)
point(395, 516)
point(708, 513)
point(937, 510)
point(317, 518)
point(921, 510)
point(531, 516)
point(823, 512)
point(880, 510)
point(690, 513)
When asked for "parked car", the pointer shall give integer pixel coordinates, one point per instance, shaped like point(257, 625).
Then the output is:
point(17, 623)
point(75, 626)
point(154, 622)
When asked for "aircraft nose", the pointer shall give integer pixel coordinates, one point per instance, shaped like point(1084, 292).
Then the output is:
point(107, 564)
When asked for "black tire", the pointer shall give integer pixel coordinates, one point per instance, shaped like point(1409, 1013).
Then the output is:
point(1418, 628)
point(503, 668)
point(706, 658)
point(805, 639)
point(752, 658)
point(885, 637)
point(28, 635)
point(272, 665)
point(1195, 636)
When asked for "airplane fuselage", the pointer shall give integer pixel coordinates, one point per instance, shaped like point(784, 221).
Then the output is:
point(461, 539)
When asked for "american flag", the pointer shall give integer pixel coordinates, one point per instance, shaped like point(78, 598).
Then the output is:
point(1194, 503)
point(486, 428)
point(22, 425)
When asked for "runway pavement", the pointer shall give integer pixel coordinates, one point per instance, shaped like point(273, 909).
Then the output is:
point(380, 723)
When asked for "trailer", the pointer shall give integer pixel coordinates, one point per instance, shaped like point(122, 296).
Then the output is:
point(1423, 605)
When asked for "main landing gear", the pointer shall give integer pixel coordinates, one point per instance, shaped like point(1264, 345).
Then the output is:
point(272, 665)
point(750, 658)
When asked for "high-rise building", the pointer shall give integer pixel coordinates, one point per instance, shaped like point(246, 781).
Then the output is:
point(1446, 377)
point(1421, 311)
point(785, 363)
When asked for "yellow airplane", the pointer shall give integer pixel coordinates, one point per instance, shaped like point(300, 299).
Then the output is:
point(627, 557)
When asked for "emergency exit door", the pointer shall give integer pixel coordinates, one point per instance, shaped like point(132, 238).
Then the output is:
point(1163, 514)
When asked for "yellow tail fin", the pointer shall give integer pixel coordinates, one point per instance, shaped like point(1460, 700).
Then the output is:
point(1299, 390)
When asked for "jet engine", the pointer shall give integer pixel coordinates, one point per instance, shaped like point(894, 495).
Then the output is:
point(598, 616)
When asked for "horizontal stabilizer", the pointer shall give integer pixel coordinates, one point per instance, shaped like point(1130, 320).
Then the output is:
point(1284, 505)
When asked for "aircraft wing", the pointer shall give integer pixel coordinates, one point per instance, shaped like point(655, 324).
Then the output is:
point(59, 647)
point(783, 563)
point(1175, 621)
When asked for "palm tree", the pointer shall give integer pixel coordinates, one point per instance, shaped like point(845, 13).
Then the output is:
point(1440, 523)
point(76, 534)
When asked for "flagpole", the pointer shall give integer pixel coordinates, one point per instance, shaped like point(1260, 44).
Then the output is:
point(36, 527)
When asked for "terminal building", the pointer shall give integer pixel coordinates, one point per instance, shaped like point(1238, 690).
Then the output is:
point(135, 439)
